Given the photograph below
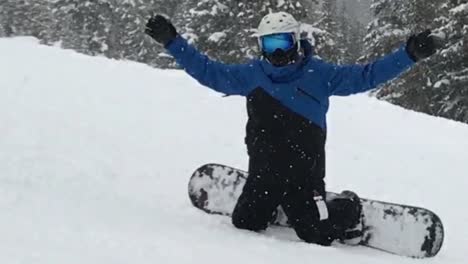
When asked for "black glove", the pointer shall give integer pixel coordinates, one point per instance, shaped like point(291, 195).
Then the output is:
point(423, 45)
point(160, 29)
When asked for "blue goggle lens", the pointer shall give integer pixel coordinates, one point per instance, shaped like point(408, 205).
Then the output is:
point(283, 41)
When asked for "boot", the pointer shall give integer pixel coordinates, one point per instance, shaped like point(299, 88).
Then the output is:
point(345, 215)
point(353, 227)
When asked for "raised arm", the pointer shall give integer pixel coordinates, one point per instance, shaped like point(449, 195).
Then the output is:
point(227, 79)
point(351, 79)
point(224, 78)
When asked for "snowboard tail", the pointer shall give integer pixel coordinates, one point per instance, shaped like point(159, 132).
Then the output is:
point(395, 228)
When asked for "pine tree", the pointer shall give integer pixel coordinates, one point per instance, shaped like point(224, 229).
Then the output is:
point(114, 28)
point(5, 29)
point(350, 38)
point(26, 18)
point(388, 29)
point(130, 17)
point(126, 33)
point(355, 41)
point(6, 23)
point(446, 74)
point(437, 85)
point(329, 23)
point(84, 25)
point(2, 31)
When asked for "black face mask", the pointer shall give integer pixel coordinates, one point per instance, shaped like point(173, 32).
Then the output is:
point(281, 58)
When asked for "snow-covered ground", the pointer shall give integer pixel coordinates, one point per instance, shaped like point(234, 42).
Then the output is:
point(95, 156)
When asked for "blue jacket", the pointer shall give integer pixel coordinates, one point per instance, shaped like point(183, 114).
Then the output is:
point(303, 87)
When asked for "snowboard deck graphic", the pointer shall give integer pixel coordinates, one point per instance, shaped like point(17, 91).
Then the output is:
point(395, 228)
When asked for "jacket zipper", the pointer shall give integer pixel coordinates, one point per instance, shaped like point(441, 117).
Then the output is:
point(307, 94)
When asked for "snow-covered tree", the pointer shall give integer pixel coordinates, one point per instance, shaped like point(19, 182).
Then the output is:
point(2, 31)
point(388, 29)
point(26, 18)
point(335, 34)
point(129, 18)
point(114, 28)
point(417, 16)
point(438, 85)
point(350, 39)
point(447, 75)
point(329, 23)
point(84, 25)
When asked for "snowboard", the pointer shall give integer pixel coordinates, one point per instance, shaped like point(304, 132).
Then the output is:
point(394, 228)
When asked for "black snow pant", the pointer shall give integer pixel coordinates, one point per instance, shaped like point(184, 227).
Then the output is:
point(289, 176)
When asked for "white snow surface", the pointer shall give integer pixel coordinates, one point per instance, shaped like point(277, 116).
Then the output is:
point(95, 156)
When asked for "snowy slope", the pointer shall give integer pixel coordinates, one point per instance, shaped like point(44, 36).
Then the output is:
point(95, 156)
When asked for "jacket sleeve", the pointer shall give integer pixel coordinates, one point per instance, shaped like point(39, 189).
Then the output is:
point(351, 79)
point(224, 78)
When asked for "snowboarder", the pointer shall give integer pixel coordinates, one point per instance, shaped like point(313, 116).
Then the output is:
point(287, 93)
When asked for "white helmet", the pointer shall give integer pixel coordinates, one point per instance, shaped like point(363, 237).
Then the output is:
point(280, 22)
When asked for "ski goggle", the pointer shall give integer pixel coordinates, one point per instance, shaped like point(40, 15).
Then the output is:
point(283, 41)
